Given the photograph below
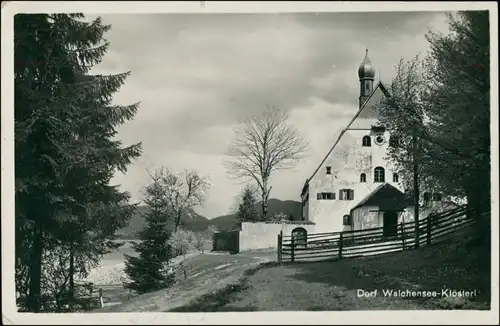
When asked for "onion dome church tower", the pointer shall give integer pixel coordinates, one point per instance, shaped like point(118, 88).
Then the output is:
point(366, 74)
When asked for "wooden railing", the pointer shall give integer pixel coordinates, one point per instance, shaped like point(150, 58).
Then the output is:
point(374, 241)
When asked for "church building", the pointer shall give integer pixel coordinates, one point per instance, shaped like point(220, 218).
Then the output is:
point(355, 186)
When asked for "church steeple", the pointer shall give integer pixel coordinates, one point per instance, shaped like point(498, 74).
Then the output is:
point(366, 74)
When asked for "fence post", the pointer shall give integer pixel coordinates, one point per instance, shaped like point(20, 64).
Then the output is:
point(101, 301)
point(429, 225)
point(280, 243)
point(417, 234)
point(341, 240)
point(292, 250)
point(402, 235)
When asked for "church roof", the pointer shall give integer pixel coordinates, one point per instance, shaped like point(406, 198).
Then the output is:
point(384, 90)
point(386, 197)
point(366, 69)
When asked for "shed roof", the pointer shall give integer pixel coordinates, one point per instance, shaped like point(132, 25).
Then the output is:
point(386, 197)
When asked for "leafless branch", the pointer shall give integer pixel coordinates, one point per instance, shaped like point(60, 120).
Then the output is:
point(263, 144)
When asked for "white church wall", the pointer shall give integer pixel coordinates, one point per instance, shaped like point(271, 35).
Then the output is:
point(348, 161)
point(261, 235)
point(305, 210)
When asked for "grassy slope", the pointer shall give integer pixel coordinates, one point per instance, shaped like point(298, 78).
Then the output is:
point(334, 285)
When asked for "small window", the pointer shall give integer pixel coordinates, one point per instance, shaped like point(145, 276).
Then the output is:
point(346, 194)
point(362, 177)
point(367, 141)
point(395, 177)
point(367, 87)
point(328, 170)
point(347, 220)
point(379, 174)
point(326, 195)
point(427, 196)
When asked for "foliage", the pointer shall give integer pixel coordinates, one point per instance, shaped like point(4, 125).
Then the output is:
point(279, 217)
point(201, 238)
point(263, 144)
point(182, 241)
point(211, 230)
point(444, 101)
point(64, 148)
point(183, 192)
point(150, 270)
point(246, 211)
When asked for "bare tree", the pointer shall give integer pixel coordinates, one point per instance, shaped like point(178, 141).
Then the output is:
point(182, 241)
point(200, 239)
point(183, 192)
point(263, 144)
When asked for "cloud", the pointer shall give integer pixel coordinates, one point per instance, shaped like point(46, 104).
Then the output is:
point(196, 76)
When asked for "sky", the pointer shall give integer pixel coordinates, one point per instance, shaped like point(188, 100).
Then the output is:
point(198, 75)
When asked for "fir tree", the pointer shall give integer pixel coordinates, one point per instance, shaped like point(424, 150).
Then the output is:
point(246, 207)
point(149, 271)
point(64, 148)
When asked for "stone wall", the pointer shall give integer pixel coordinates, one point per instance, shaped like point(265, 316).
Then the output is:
point(263, 235)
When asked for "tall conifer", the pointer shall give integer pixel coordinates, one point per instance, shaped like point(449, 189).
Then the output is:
point(65, 151)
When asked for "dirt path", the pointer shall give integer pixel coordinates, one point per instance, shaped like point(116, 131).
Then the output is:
point(207, 273)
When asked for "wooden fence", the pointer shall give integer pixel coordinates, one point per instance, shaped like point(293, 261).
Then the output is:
point(336, 245)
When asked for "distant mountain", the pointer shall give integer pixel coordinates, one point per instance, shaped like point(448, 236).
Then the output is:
point(137, 223)
point(289, 207)
point(224, 222)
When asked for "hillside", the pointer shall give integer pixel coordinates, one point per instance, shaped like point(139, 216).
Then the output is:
point(289, 207)
point(137, 223)
point(224, 222)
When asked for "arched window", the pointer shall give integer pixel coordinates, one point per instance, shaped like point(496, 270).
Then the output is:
point(367, 141)
point(362, 177)
point(379, 174)
point(395, 177)
point(299, 236)
point(367, 87)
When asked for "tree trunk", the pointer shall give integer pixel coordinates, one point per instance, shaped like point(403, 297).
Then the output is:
point(71, 275)
point(264, 206)
point(177, 221)
point(478, 203)
point(265, 199)
point(416, 192)
point(33, 300)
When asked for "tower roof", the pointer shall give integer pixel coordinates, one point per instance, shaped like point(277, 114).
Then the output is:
point(366, 69)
